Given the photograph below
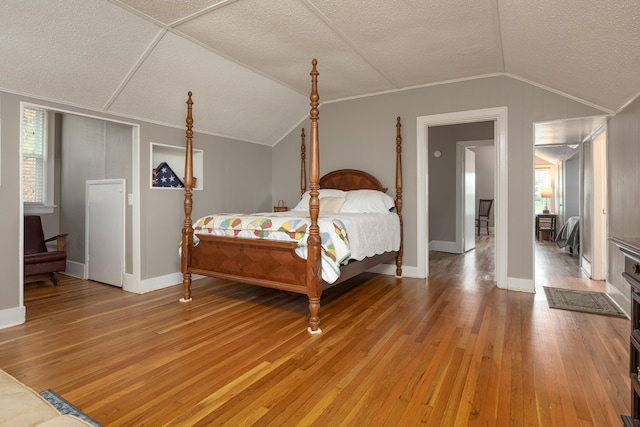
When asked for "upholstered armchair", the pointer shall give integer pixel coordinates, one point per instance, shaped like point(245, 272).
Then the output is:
point(40, 263)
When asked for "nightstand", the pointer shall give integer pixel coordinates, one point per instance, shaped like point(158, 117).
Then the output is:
point(280, 207)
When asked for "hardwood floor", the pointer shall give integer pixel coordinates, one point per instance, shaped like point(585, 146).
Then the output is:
point(452, 350)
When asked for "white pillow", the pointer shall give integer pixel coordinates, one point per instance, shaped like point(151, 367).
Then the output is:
point(303, 204)
point(329, 205)
point(367, 201)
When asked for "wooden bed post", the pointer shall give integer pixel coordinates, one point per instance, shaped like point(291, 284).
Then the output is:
point(187, 229)
point(399, 194)
point(303, 166)
point(314, 273)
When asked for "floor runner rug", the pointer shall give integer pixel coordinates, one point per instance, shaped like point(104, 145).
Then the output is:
point(585, 301)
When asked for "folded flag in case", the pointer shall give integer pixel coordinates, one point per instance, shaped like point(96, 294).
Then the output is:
point(165, 177)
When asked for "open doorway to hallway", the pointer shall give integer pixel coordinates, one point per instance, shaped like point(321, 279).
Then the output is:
point(570, 171)
point(461, 170)
point(498, 116)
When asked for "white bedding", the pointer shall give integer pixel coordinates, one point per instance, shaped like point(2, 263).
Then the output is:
point(369, 233)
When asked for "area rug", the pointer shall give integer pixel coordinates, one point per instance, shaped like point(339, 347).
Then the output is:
point(585, 301)
point(65, 407)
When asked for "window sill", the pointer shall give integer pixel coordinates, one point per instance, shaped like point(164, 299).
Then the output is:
point(38, 209)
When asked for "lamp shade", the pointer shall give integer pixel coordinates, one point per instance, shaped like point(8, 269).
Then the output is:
point(545, 192)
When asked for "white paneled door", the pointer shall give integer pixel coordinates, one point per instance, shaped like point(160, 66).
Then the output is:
point(105, 213)
point(469, 199)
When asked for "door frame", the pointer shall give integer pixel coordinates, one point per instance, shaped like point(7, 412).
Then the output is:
point(599, 206)
point(131, 281)
point(499, 116)
point(460, 189)
point(87, 225)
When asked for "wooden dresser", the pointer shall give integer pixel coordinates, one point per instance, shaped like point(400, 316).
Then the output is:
point(631, 250)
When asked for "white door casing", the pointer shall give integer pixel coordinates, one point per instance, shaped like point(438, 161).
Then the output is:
point(499, 116)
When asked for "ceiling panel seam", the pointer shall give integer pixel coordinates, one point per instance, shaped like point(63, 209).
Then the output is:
point(201, 12)
point(235, 61)
point(134, 69)
point(348, 41)
point(495, 11)
point(139, 13)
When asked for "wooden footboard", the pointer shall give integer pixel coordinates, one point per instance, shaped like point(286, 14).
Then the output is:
point(268, 263)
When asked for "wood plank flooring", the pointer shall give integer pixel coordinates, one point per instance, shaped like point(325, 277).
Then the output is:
point(452, 350)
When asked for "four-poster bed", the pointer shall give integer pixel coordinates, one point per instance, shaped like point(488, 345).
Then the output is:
point(278, 263)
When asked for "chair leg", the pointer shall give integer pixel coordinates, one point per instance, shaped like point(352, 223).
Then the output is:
point(54, 279)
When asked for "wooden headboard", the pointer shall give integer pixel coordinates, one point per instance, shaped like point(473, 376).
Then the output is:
point(351, 179)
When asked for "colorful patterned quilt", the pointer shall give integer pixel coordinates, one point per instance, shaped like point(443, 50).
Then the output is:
point(335, 240)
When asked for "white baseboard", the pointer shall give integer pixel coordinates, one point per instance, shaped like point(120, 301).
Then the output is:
point(158, 282)
point(444, 246)
point(12, 316)
point(521, 285)
point(586, 267)
point(620, 298)
point(76, 269)
point(390, 270)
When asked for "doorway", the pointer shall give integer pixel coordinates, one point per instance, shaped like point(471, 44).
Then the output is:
point(499, 117)
point(85, 161)
point(574, 151)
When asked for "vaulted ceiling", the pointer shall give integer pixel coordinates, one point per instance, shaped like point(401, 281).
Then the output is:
point(248, 61)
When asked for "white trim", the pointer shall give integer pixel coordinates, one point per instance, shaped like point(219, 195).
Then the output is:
point(159, 282)
point(390, 270)
point(448, 247)
point(12, 316)
point(620, 298)
point(76, 269)
point(522, 285)
point(561, 93)
point(586, 267)
point(136, 274)
point(39, 209)
point(499, 115)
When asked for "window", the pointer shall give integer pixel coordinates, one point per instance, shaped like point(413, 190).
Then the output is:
point(542, 180)
point(37, 161)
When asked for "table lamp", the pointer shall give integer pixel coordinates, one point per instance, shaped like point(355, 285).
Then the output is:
point(546, 194)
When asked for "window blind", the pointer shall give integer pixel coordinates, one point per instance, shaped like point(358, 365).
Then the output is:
point(33, 154)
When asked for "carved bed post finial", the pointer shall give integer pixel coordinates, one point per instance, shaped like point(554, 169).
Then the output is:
point(314, 273)
point(399, 194)
point(187, 229)
point(303, 166)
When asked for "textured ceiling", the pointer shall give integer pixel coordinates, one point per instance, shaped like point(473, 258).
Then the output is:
point(248, 61)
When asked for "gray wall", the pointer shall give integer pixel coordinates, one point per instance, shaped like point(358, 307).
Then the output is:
point(360, 133)
point(9, 204)
point(237, 178)
point(623, 175)
point(572, 186)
